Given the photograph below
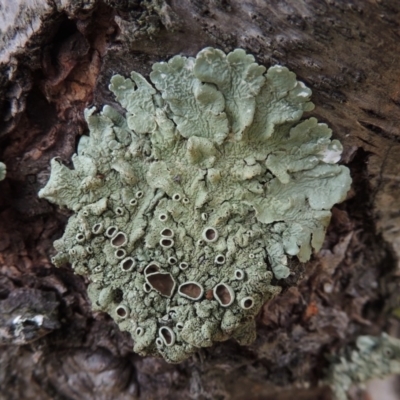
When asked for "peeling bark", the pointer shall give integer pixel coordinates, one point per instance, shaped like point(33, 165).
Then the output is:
point(57, 58)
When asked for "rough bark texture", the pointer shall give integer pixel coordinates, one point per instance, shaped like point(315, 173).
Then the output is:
point(57, 58)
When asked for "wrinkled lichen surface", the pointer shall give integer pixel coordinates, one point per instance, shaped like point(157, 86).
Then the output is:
point(188, 205)
point(373, 357)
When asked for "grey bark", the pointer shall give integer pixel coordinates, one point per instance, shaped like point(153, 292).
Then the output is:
point(57, 57)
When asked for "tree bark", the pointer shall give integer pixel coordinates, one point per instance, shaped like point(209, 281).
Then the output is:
point(57, 57)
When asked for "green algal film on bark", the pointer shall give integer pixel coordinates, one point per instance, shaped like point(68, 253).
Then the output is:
point(189, 204)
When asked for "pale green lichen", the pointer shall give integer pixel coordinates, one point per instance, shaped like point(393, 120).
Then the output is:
point(184, 205)
point(2, 171)
point(373, 357)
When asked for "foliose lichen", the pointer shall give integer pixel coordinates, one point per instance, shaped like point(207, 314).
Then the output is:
point(2, 171)
point(188, 205)
point(373, 357)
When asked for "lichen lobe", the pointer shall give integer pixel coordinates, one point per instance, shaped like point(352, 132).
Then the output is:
point(373, 357)
point(2, 171)
point(183, 205)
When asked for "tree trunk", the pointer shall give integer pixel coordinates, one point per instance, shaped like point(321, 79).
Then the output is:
point(57, 58)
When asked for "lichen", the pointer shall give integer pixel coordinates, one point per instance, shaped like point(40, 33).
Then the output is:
point(188, 205)
point(373, 357)
point(2, 171)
